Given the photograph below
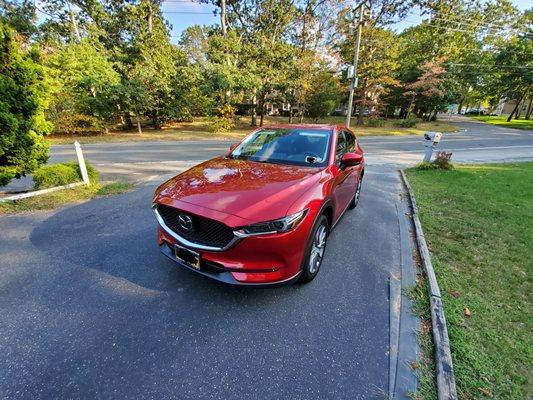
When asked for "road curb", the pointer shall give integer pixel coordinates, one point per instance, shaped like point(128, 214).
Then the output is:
point(443, 359)
point(404, 324)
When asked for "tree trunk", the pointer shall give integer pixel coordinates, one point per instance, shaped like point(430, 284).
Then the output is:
point(129, 122)
point(120, 115)
point(519, 110)
point(139, 128)
point(529, 109)
point(460, 106)
point(150, 18)
point(155, 119)
point(254, 109)
point(290, 115)
point(514, 109)
point(261, 105)
point(361, 115)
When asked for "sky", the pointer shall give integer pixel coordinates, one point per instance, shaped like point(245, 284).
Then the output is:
point(184, 13)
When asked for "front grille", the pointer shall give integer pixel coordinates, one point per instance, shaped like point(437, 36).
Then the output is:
point(204, 231)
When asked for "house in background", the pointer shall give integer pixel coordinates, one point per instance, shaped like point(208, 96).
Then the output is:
point(506, 107)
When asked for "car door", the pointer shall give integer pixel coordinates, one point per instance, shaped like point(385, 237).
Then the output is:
point(354, 172)
point(342, 192)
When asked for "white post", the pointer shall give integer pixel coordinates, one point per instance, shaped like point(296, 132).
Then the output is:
point(355, 80)
point(81, 162)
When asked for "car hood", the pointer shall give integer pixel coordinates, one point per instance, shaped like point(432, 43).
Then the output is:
point(247, 189)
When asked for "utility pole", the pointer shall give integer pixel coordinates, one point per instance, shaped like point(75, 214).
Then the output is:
point(75, 30)
point(353, 84)
point(223, 22)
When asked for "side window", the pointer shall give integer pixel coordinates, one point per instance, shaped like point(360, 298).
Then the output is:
point(341, 147)
point(350, 139)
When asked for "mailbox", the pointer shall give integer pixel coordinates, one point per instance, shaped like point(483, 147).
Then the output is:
point(431, 140)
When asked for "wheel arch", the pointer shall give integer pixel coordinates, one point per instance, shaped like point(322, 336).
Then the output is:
point(327, 210)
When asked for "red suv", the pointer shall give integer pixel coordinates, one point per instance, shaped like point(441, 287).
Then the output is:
point(262, 213)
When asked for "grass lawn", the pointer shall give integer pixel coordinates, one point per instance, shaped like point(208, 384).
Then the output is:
point(199, 130)
point(55, 199)
point(502, 121)
point(478, 221)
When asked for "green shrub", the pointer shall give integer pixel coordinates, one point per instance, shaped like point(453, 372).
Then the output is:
point(77, 124)
point(23, 100)
point(408, 123)
point(425, 166)
point(221, 125)
point(62, 174)
point(54, 175)
point(225, 111)
point(375, 122)
point(224, 121)
point(94, 175)
point(441, 161)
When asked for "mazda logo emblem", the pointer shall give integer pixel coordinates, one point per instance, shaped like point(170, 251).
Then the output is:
point(185, 222)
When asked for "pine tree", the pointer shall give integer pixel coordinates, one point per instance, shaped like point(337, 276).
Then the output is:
point(23, 99)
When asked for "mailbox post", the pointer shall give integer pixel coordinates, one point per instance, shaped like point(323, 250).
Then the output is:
point(431, 141)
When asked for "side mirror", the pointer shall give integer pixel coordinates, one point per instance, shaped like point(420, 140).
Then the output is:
point(351, 159)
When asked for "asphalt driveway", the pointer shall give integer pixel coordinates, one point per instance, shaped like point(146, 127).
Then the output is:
point(90, 309)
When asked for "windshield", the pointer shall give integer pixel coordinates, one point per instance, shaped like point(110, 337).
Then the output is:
point(296, 146)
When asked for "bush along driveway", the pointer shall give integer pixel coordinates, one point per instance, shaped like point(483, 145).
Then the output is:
point(478, 224)
point(59, 177)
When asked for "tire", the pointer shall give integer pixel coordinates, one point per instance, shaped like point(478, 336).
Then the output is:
point(315, 249)
point(355, 199)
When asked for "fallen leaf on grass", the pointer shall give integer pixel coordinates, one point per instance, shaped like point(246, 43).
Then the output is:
point(486, 392)
point(455, 294)
point(415, 365)
point(467, 312)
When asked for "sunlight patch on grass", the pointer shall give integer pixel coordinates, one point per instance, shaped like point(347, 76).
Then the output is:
point(53, 200)
point(502, 121)
point(199, 130)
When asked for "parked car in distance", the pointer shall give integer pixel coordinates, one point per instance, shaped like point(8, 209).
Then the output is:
point(262, 213)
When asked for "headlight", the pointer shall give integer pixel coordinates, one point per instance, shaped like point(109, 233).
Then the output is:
point(278, 225)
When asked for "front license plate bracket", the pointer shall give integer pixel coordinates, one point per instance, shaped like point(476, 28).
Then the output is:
point(187, 256)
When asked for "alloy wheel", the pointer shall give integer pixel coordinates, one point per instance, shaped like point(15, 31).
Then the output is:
point(317, 249)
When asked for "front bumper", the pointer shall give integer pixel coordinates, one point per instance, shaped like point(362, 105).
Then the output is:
point(256, 260)
point(214, 271)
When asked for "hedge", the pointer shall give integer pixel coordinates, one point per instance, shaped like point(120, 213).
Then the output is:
point(62, 174)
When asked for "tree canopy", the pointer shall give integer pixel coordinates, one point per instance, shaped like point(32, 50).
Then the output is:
point(23, 100)
point(113, 64)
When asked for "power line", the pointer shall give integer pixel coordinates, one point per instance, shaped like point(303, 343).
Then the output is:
point(489, 65)
point(461, 20)
point(188, 12)
point(447, 28)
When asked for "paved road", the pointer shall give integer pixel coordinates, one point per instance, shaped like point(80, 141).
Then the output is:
point(141, 161)
point(476, 142)
point(90, 309)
